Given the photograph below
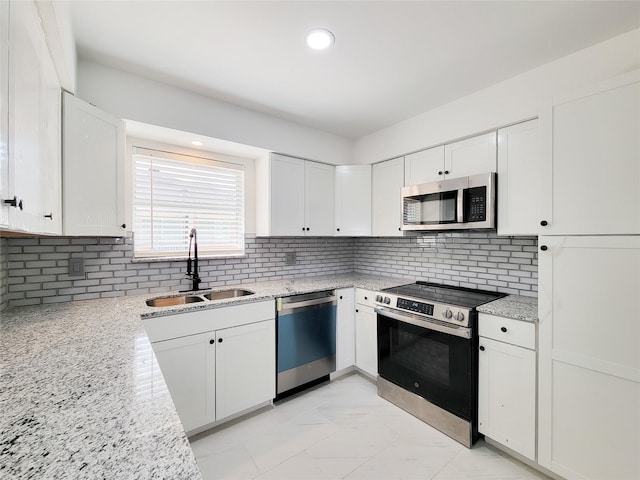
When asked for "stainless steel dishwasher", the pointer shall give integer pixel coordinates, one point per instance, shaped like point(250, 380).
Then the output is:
point(306, 332)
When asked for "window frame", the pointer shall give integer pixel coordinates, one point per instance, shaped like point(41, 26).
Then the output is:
point(173, 152)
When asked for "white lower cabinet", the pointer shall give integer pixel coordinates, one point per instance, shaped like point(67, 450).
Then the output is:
point(366, 333)
point(345, 329)
point(215, 374)
point(589, 356)
point(507, 383)
point(245, 367)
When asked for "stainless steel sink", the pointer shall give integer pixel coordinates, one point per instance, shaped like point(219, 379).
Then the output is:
point(236, 292)
point(171, 301)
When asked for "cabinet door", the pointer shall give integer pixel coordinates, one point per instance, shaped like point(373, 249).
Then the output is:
point(507, 395)
point(472, 156)
point(93, 193)
point(50, 140)
point(388, 180)
point(353, 200)
point(287, 196)
point(589, 359)
point(188, 366)
point(4, 112)
point(424, 166)
point(245, 367)
point(319, 197)
point(25, 165)
point(366, 340)
point(519, 167)
point(345, 329)
point(591, 176)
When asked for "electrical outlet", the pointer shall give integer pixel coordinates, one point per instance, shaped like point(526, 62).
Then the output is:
point(76, 267)
point(290, 258)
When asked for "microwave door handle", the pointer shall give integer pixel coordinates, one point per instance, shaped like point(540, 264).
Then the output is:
point(460, 206)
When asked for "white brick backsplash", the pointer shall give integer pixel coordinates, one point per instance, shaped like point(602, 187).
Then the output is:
point(35, 270)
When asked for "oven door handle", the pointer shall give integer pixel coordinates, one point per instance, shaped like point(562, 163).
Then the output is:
point(424, 323)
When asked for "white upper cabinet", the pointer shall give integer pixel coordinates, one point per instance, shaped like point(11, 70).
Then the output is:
point(424, 166)
point(4, 112)
point(294, 197)
point(93, 160)
point(388, 180)
point(519, 166)
point(591, 163)
point(472, 156)
point(30, 164)
point(319, 198)
point(353, 200)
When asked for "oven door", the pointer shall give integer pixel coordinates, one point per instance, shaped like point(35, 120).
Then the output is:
point(429, 359)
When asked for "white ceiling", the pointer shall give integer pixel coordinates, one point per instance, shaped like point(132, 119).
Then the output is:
point(391, 60)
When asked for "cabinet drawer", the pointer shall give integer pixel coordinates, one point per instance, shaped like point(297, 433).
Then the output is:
point(365, 297)
point(515, 332)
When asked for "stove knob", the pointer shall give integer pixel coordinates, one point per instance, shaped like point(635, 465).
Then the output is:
point(379, 298)
point(459, 316)
point(387, 300)
point(447, 313)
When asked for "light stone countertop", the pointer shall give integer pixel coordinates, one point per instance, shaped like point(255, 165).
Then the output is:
point(513, 306)
point(82, 397)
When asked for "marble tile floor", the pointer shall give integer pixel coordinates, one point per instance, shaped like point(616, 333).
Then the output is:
point(343, 430)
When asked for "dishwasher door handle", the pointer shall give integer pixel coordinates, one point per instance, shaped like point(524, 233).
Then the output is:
point(293, 306)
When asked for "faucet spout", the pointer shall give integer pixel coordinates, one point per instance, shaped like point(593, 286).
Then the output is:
point(193, 273)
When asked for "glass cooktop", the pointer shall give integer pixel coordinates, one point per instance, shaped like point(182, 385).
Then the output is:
point(435, 292)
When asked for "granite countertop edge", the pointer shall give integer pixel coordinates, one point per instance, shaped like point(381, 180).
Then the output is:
point(81, 393)
point(517, 307)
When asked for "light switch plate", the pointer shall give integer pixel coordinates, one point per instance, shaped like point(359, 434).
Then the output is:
point(290, 258)
point(76, 267)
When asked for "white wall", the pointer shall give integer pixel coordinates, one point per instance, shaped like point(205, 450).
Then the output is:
point(507, 102)
point(133, 97)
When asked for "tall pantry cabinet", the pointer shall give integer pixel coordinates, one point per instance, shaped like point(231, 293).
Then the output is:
point(589, 284)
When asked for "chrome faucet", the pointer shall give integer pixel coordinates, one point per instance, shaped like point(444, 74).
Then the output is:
point(195, 278)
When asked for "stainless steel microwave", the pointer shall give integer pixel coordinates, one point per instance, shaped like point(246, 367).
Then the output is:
point(466, 203)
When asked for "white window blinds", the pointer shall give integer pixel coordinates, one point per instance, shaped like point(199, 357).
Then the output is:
point(174, 193)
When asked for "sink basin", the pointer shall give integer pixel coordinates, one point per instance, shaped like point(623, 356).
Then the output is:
point(171, 301)
point(227, 294)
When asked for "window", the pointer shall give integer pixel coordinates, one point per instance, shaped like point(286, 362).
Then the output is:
point(174, 193)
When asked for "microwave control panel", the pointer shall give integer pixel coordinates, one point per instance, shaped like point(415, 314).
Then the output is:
point(475, 204)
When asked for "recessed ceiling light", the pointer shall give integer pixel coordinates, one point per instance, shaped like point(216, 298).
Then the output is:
point(197, 143)
point(320, 39)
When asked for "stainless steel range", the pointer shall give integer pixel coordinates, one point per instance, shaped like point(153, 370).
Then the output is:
point(428, 354)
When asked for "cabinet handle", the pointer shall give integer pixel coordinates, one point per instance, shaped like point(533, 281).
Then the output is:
point(124, 225)
point(50, 216)
point(303, 229)
point(219, 340)
point(503, 329)
point(440, 172)
point(481, 348)
point(212, 341)
point(338, 229)
point(340, 297)
point(366, 298)
point(357, 310)
point(544, 248)
point(12, 202)
point(544, 223)
point(399, 229)
point(307, 229)
point(446, 172)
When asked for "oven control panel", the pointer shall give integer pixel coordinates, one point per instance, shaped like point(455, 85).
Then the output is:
point(438, 311)
point(413, 306)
